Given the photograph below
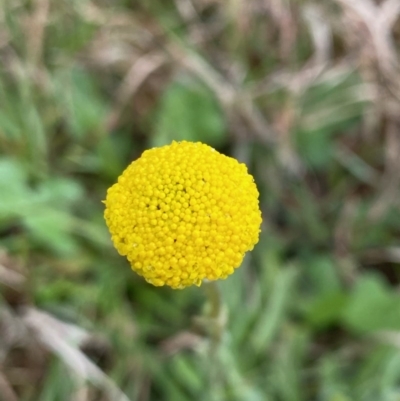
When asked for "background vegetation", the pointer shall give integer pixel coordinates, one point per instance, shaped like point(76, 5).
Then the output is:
point(306, 93)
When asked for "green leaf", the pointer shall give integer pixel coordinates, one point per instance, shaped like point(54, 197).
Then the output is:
point(84, 108)
point(322, 275)
point(328, 299)
point(377, 374)
point(326, 109)
point(61, 192)
point(332, 387)
point(185, 369)
point(51, 229)
point(272, 316)
point(12, 175)
point(44, 211)
point(327, 309)
point(285, 372)
point(9, 128)
point(372, 306)
point(58, 384)
point(14, 191)
point(112, 153)
point(189, 111)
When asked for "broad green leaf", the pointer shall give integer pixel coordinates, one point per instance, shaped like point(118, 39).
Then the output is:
point(51, 229)
point(372, 306)
point(61, 192)
point(322, 275)
point(15, 195)
point(327, 309)
point(327, 297)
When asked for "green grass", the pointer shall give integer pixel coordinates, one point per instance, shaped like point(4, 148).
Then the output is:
point(314, 312)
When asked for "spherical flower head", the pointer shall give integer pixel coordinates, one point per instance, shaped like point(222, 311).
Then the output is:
point(183, 213)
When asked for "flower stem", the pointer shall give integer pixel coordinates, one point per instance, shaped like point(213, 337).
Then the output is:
point(215, 319)
point(214, 299)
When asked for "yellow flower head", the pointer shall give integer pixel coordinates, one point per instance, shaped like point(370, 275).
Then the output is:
point(183, 213)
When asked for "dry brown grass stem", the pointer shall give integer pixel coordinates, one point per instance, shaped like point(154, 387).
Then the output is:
point(321, 33)
point(35, 31)
point(141, 69)
point(63, 340)
point(232, 100)
point(6, 391)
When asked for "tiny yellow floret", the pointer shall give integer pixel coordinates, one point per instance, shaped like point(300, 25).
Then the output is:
point(183, 213)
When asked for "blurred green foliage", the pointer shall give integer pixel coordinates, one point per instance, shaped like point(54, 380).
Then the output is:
point(188, 111)
point(310, 310)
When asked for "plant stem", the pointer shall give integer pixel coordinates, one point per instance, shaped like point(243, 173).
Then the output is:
point(215, 319)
